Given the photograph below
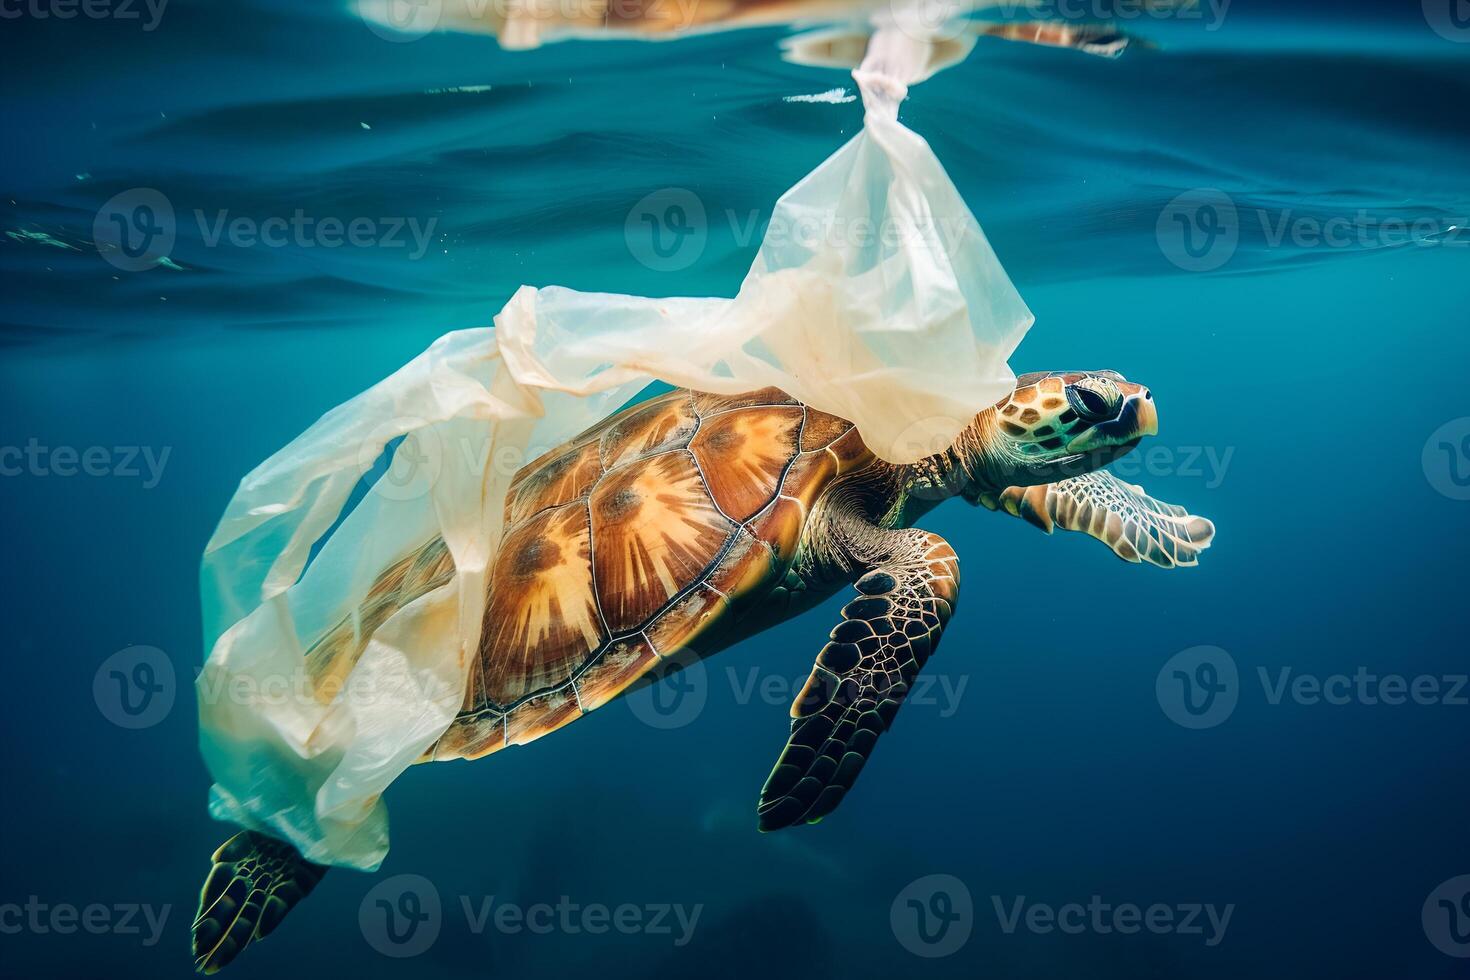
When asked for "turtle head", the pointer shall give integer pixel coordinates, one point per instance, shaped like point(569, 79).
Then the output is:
point(1059, 424)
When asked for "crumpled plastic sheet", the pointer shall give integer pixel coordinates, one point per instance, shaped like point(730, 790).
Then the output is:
point(875, 296)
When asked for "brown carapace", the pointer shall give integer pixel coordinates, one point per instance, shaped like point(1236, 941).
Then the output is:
point(635, 544)
point(689, 521)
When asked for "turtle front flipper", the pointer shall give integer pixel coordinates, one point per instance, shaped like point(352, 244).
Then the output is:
point(255, 881)
point(1120, 515)
point(861, 677)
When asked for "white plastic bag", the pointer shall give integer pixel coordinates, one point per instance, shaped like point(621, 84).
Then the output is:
point(874, 296)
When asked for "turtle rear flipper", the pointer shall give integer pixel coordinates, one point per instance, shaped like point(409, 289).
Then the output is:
point(255, 881)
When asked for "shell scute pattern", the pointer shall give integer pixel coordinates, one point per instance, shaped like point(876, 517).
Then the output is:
point(743, 455)
point(620, 664)
point(654, 427)
point(657, 529)
point(822, 430)
point(694, 613)
point(630, 543)
point(557, 478)
point(540, 618)
point(707, 404)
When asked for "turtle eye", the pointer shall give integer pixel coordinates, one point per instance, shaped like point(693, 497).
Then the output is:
point(1095, 399)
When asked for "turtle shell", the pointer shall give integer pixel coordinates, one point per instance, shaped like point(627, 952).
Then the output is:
point(631, 544)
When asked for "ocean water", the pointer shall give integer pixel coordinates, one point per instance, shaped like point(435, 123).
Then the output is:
point(1259, 218)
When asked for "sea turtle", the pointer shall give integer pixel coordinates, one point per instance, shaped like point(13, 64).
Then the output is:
point(689, 521)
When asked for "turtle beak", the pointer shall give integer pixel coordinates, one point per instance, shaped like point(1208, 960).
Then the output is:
point(1146, 413)
point(1138, 417)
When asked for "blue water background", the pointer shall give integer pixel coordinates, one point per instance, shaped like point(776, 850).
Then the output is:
point(1318, 373)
